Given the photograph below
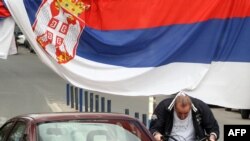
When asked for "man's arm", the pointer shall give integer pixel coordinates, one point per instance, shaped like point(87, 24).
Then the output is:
point(158, 120)
point(209, 123)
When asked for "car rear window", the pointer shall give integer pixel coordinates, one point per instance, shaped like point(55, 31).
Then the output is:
point(98, 130)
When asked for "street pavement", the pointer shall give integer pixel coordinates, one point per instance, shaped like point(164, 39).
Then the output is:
point(29, 86)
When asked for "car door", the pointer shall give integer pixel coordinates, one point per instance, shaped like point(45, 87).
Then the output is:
point(5, 129)
point(18, 132)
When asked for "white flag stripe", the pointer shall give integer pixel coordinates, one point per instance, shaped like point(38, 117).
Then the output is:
point(7, 34)
point(13, 47)
point(131, 81)
point(226, 84)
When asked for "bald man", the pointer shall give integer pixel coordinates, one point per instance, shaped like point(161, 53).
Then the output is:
point(185, 118)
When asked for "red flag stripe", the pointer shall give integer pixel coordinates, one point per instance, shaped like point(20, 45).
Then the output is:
point(4, 12)
point(134, 14)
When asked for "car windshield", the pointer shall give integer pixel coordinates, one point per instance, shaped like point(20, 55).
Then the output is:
point(97, 130)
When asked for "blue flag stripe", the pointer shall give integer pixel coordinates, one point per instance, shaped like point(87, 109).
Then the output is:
point(214, 40)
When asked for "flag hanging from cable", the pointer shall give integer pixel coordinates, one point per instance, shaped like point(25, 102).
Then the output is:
point(132, 47)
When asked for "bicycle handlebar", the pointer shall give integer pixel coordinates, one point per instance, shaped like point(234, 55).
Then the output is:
point(166, 137)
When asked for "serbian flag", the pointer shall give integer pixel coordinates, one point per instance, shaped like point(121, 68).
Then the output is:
point(144, 47)
point(7, 39)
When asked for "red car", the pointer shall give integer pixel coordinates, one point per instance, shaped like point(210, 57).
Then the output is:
point(74, 127)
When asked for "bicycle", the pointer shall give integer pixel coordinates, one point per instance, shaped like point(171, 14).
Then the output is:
point(166, 137)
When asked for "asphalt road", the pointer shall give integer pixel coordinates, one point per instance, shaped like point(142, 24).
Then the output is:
point(228, 118)
point(29, 86)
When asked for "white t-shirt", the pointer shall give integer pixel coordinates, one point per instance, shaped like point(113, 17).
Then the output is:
point(183, 130)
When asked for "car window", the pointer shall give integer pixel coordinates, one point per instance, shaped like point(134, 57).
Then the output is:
point(105, 130)
point(17, 132)
point(4, 130)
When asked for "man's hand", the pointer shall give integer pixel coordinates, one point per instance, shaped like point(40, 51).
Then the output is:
point(212, 137)
point(158, 136)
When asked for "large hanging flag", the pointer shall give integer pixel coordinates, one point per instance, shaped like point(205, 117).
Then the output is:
point(7, 39)
point(137, 47)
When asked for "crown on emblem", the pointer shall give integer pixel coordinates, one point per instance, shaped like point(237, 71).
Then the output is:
point(64, 57)
point(75, 7)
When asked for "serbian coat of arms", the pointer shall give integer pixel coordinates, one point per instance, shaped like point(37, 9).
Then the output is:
point(58, 26)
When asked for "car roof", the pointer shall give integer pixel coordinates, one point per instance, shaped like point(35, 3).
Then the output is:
point(47, 117)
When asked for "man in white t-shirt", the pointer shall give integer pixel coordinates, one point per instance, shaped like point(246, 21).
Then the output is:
point(184, 118)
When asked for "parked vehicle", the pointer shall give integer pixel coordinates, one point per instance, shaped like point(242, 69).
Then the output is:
point(245, 113)
point(22, 40)
point(74, 127)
